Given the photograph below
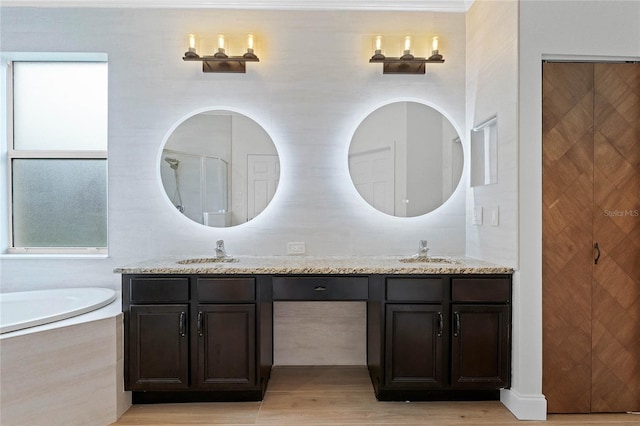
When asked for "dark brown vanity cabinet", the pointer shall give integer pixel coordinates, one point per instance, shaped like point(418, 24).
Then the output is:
point(156, 335)
point(199, 337)
point(196, 338)
point(441, 337)
point(226, 345)
point(414, 346)
point(226, 333)
point(414, 333)
point(481, 342)
point(158, 350)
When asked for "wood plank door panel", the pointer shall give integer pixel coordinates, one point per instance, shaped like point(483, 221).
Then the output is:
point(567, 181)
point(591, 194)
point(616, 278)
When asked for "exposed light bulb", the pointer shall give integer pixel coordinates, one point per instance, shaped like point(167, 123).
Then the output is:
point(407, 44)
point(191, 47)
point(249, 55)
point(377, 47)
point(250, 43)
point(407, 49)
point(435, 54)
point(221, 45)
point(378, 43)
point(434, 45)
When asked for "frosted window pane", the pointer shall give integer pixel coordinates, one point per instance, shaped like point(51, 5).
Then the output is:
point(60, 203)
point(60, 105)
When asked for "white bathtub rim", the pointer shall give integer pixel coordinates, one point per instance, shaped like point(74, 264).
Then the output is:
point(92, 298)
point(111, 310)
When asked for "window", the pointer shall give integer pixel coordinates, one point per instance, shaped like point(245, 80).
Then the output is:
point(57, 156)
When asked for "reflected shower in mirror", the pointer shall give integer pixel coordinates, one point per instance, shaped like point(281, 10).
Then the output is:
point(219, 168)
point(405, 159)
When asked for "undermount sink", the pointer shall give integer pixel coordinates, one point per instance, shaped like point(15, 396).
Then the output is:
point(429, 259)
point(207, 260)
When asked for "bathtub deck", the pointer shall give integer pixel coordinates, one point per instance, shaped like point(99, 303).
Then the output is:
point(62, 375)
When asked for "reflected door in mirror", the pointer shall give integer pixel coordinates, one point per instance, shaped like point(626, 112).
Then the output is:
point(405, 159)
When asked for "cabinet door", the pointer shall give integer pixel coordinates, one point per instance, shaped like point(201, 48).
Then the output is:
point(480, 350)
point(226, 346)
point(158, 347)
point(414, 346)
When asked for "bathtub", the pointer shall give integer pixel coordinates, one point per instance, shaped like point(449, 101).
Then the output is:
point(65, 372)
point(25, 309)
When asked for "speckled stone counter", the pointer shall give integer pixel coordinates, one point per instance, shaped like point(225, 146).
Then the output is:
point(313, 265)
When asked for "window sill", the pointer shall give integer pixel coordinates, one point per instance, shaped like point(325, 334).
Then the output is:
point(15, 256)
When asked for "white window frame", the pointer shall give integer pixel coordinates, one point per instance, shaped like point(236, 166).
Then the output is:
point(9, 153)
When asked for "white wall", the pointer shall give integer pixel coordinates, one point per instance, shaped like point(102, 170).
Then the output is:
point(492, 90)
point(311, 88)
point(603, 30)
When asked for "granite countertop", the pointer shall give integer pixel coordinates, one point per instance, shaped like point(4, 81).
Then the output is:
point(313, 265)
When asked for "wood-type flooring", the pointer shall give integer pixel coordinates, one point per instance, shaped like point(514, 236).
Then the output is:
point(342, 396)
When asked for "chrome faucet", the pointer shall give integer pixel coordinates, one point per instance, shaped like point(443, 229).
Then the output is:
point(220, 252)
point(422, 249)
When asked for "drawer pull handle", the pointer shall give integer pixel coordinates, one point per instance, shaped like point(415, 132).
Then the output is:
point(597, 249)
point(440, 324)
point(456, 331)
point(182, 324)
point(320, 288)
point(200, 324)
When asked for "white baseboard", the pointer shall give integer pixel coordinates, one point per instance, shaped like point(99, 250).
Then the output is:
point(524, 407)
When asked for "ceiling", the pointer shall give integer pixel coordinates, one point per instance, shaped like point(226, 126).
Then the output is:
point(391, 5)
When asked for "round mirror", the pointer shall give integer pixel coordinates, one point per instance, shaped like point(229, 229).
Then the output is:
point(219, 168)
point(405, 159)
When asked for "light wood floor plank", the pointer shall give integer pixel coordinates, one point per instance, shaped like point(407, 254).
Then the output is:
point(334, 396)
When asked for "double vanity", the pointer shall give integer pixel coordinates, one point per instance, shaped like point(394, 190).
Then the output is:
point(201, 329)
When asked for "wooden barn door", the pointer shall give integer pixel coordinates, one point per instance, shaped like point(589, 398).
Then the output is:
point(591, 210)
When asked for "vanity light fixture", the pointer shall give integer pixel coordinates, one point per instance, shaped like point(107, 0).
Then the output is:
point(407, 63)
point(220, 61)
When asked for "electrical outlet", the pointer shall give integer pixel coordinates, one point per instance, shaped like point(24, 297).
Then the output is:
point(296, 248)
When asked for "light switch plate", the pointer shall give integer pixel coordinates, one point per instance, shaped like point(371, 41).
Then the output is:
point(296, 248)
point(477, 215)
point(494, 215)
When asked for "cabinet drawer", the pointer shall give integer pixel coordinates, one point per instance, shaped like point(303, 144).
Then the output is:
point(226, 289)
point(481, 289)
point(320, 288)
point(415, 289)
point(157, 289)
